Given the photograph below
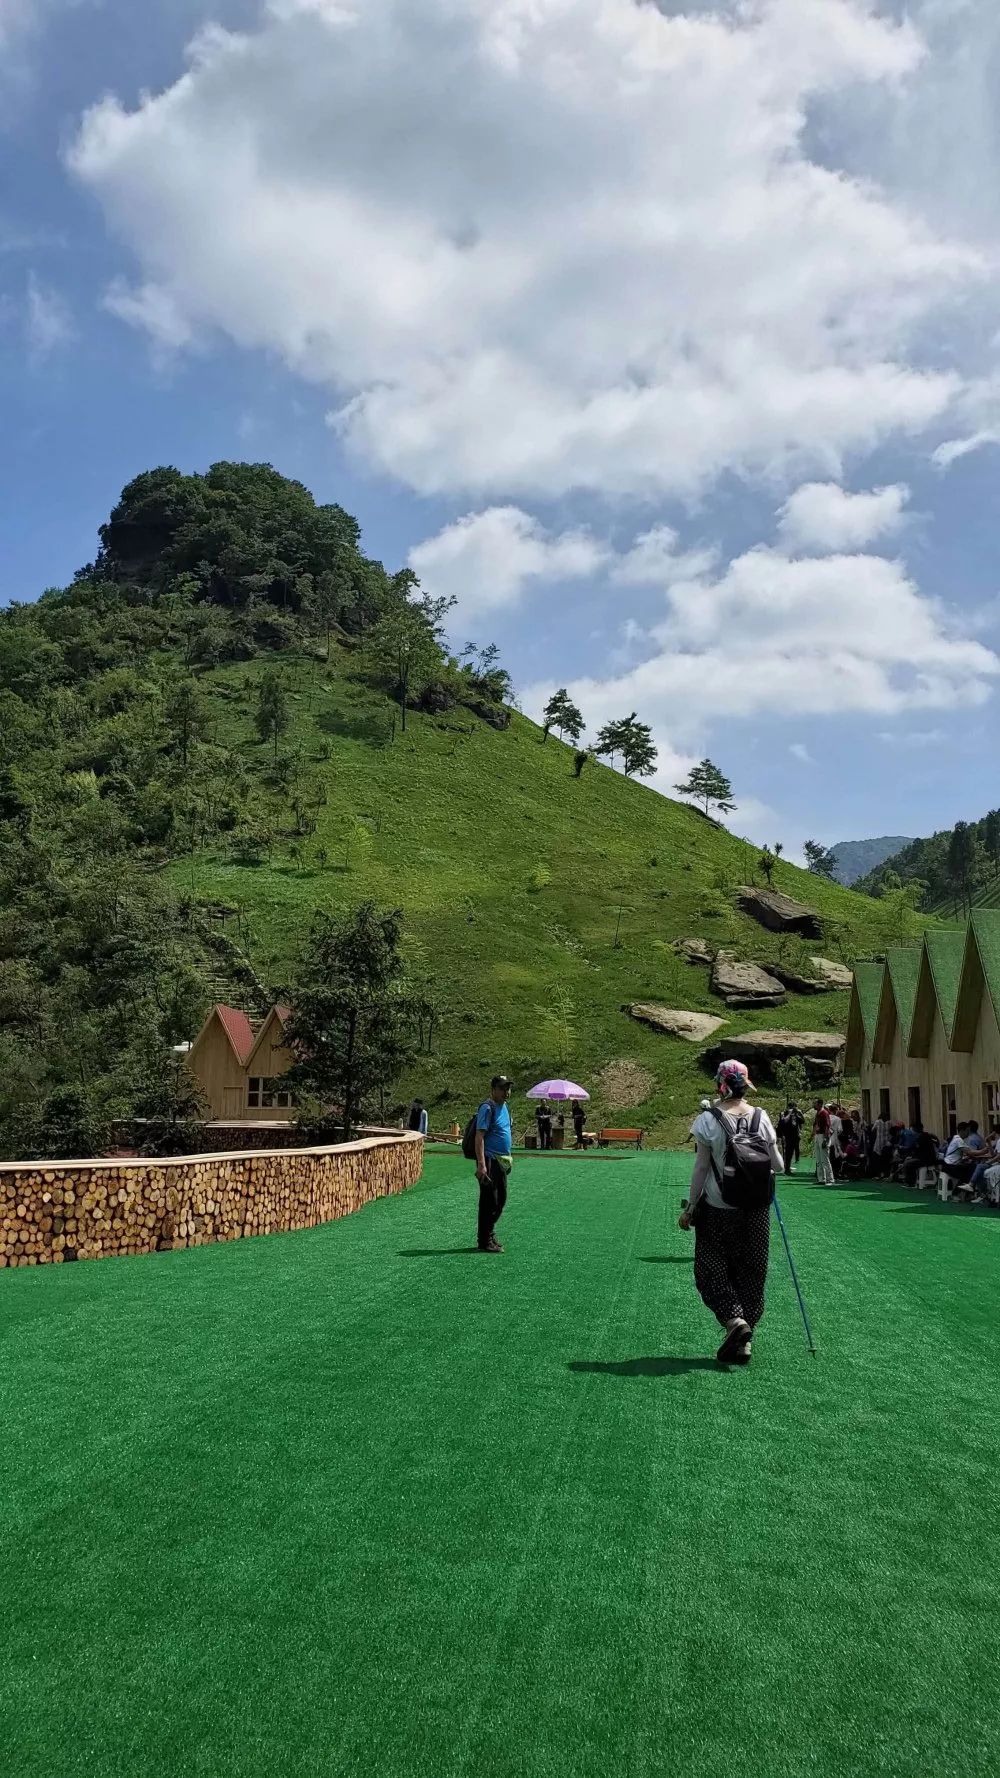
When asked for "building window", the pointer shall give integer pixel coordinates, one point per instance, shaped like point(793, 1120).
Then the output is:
point(267, 1095)
point(884, 1104)
point(913, 1105)
point(866, 1105)
point(949, 1110)
point(991, 1102)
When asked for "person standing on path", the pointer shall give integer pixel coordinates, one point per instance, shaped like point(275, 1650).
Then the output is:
point(543, 1118)
point(822, 1132)
point(730, 1242)
point(579, 1123)
point(789, 1130)
point(493, 1161)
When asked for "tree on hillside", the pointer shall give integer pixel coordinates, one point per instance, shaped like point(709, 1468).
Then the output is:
point(820, 860)
point(404, 648)
point(348, 1028)
point(964, 856)
point(272, 715)
point(639, 754)
point(185, 715)
point(609, 740)
point(709, 786)
point(991, 839)
point(561, 713)
point(767, 862)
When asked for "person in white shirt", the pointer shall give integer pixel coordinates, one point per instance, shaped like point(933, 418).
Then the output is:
point(731, 1244)
point(957, 1163)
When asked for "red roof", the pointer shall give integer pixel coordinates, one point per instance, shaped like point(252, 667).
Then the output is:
point(284, 1013)
point(238, 1029)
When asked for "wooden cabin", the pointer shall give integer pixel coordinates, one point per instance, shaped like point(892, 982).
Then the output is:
point(238, 1066)
point(931, 1051)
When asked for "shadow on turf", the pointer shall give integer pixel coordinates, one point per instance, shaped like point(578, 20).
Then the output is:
point(647, 1367)
point(665, 1259)
point(434, 1252)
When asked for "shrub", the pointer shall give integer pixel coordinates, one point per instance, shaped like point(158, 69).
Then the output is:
point(539, 879)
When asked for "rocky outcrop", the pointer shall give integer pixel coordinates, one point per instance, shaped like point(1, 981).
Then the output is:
point(694, 1027)
point(694, 950)
point(833, 975)
point(799, 984)
point(819, 1051)
point(778, 912)
point(744, 984)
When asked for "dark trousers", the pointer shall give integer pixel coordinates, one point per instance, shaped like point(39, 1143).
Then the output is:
point(545, 1132)
point(789, 1151)
point(492, 1198)
point(730, 1261)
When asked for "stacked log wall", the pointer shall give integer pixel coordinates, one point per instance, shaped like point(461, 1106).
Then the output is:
point(54, 1211)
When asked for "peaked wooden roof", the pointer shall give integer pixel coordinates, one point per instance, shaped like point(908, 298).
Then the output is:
point(238, 1029)
point(938, 978)
point(980, 974)
point(862, 1019)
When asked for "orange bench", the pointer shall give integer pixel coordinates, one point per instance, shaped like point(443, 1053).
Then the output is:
point(633, 1138)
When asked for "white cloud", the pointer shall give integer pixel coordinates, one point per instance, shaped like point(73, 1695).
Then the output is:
point(543, 245)
point(800, 751)
point(487, 559)
point(653, 560)
point(153, 309)
point(823, 516)
point(955, 448)
point(915, 739)
point(48, 324)
point(837, 635)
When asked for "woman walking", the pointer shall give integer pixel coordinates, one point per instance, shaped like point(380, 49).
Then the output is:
point(729, 1208)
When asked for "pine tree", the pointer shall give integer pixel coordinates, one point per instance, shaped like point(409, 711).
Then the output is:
point(962, 860)
point(991, 839)
point(561, 713)
point(350, 1018)
point(639, 754)
point(820, 860)
point(708, 786)
point(272, 709)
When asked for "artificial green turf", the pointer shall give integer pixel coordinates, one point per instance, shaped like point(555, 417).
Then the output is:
point(357, 1501)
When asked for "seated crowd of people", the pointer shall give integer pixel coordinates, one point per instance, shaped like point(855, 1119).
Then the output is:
point(900, 1153)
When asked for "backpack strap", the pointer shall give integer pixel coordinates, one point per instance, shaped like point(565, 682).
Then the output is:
point(755, 1121)
point(728, 1131)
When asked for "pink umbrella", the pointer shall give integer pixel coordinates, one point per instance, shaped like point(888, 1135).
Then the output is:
point(557, 1089)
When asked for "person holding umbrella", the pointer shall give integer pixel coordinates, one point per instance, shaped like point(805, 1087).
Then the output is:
point(562, 1092)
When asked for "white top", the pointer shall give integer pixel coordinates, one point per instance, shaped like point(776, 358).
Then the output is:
point(711, 1140)
point(955, 1151)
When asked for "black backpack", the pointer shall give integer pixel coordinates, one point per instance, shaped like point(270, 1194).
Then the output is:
point(747, 1181)
point(469, 1136)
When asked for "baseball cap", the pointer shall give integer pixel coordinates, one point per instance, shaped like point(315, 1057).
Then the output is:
point(501, 1080)
point(735, 1077)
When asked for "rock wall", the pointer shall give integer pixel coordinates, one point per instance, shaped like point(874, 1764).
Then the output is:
point(55, 1211)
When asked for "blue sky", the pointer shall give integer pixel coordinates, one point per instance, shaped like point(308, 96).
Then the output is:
point(665, 338)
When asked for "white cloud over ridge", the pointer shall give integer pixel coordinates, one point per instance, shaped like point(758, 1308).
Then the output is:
point(487, 559)
point(823, 516)
point(541, 245)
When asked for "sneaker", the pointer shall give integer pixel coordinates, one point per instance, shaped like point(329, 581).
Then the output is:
point(491, 1246)
point(736, 1340)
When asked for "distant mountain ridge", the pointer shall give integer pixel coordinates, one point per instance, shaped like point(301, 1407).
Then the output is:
point(858, 858)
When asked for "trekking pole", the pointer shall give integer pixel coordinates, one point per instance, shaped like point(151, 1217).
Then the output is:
point(795, 1280)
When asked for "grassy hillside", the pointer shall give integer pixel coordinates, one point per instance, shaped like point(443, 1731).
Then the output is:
point(139, 802)
point(511, 874)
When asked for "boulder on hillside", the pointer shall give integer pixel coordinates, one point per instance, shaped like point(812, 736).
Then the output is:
point(799, 984)
point(833, 975)
point(694, 950)
point(819, 1051)
point(779, 913)
point(694, 1027)
point(744, 984)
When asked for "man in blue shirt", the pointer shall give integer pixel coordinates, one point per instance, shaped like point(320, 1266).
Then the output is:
point(493, 1162)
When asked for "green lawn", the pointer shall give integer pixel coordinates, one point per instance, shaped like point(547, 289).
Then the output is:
point(357, 1501)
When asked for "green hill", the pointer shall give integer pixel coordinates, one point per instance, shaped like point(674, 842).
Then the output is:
point(157, 853)
point(956, 868)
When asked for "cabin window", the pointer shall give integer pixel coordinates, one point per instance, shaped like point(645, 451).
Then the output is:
point(949, 1110)
point(991, 1102)
point(267, 1095)
point(913, 1105)
point(884, 1104)
point(866, 1105)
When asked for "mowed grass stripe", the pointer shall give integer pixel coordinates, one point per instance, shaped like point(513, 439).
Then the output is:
point(352, 1502)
